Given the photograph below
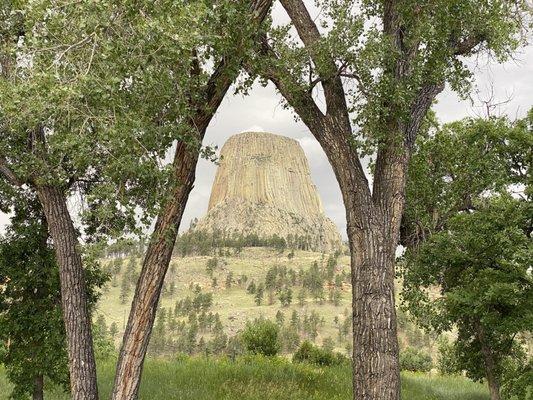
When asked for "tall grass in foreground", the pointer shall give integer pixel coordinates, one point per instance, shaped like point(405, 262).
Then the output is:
point(262, 379)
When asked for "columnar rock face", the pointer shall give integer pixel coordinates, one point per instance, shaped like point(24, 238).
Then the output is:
point(263, 186)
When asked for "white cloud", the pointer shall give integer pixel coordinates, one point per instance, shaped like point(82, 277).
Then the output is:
point(254, 128)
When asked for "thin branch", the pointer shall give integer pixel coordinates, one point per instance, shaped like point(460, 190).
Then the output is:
point(223, 75)
point(342, 72)
point(296, 94)
point(313, 83)
point(311, 37)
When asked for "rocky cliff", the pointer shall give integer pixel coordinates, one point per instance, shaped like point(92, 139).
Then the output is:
point(263, 186)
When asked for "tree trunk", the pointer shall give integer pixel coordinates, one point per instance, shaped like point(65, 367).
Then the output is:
point(148, 288)
point(490, 365)
point(82, 365)
point(373, 224)
point(155, 264)
point(38, 385)
point(376, 373)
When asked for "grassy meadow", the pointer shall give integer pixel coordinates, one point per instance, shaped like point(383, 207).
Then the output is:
point(259, 378)
point(234, 305)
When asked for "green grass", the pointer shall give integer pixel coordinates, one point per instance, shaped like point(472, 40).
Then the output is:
point(260, 379)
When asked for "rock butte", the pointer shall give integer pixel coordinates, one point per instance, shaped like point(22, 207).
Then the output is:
point(263, 186)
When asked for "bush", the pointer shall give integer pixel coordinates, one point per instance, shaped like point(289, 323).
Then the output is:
point(309, 353)
point(261, 337)
point(517, 377)
point(415, 360)
point(447, 361)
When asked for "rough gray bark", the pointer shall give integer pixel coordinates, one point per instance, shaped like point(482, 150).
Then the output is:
point(148, 289)
point(158, 254)
point(372, 234)
point(82, 365)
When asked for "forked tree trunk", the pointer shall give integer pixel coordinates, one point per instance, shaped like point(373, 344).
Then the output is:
point(155, 265)
point(373, 224)
point(82, 365)
point(38, 388)
point(373, 216)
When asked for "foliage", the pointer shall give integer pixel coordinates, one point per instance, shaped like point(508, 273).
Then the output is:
point(261, 337)
point(103, 343)
point(415, 360)
point(518, 380)
point(461, 162)
point(447, 362)
point(31, 321)
point(109, 87)
point(481, 265)
point(309, 353)
point(191, 378)
point(467, 227)
point(435, 38)
point(198, 242)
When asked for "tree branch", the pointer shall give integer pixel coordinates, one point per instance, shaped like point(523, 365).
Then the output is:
point(419, 109)
point(8, 173)
point(311, 37)
point(298, 96)
point(465, 46)
point(223, 75)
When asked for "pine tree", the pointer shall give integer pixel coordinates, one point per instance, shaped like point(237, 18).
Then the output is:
point(251, 287)
point(285, 297)
point(229, 280)
point(124, 290)
point(280, 318)
point(301, 297)
point(101, 324)
point(113, 330)
point(259, 295)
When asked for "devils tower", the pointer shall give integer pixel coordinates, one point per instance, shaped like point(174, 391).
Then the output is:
point(263, 186)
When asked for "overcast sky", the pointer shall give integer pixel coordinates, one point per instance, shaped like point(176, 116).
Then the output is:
point(261, 111)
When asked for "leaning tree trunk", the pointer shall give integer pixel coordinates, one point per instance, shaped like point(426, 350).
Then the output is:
point(155, 265)
point(82, 365)
point(159, 252)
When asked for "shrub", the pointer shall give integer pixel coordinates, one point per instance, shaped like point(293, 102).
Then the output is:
point(412, 359)
point(309, 353)
point(517, 379)
point(262, 337)
point(447, 361)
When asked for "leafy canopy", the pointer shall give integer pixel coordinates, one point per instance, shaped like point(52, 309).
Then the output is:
point(95, 94)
